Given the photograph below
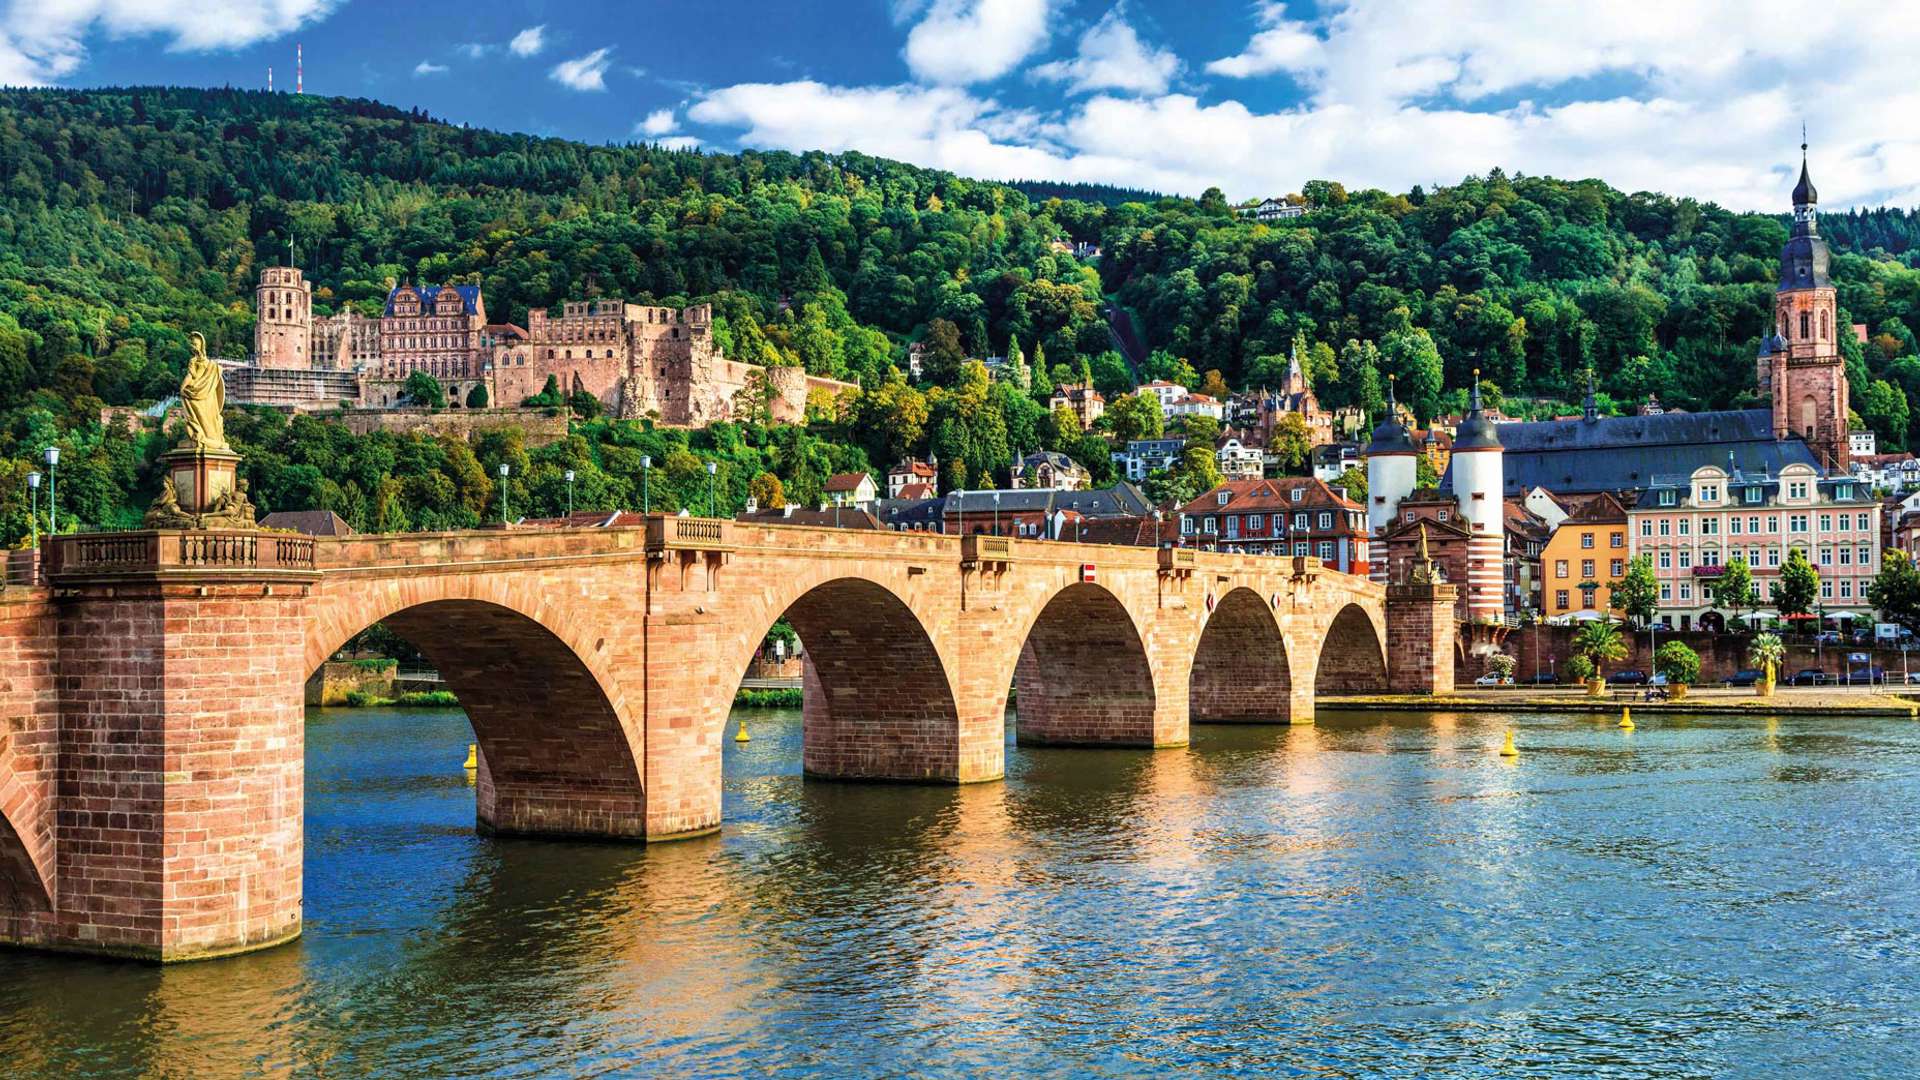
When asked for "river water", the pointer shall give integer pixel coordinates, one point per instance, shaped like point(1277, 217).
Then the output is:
point(1377, 895)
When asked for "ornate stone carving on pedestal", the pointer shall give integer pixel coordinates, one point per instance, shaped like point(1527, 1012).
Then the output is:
point(202, 488)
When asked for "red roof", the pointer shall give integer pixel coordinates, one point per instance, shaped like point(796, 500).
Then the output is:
point(915, 491)
point(846, 481)
point(1273, 494)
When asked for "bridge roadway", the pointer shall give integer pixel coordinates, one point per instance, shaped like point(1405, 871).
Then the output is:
point(152, 755)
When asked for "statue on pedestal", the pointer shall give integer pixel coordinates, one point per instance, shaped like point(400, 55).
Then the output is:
point(202, 488)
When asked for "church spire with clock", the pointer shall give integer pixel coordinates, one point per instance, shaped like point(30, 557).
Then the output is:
point(1800, 361)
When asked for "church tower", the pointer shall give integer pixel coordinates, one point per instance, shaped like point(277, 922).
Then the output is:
point(283, 326)
point(1806, 375)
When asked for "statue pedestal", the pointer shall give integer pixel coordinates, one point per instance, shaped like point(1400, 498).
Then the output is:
point(203, 491)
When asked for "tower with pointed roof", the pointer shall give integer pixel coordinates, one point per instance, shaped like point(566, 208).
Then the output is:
point(1393, 470)
point(1479, 485)
point(1801, 363)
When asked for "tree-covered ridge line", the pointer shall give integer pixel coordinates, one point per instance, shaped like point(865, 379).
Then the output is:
point(129, 217)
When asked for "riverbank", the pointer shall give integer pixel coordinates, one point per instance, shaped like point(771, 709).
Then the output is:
point(1699, 700)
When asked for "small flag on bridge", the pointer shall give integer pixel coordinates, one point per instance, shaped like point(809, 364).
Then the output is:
point(1086, 571)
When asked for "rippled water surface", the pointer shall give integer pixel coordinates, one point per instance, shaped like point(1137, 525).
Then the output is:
point(1375, 895)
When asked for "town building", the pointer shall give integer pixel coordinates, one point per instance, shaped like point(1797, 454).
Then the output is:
point(1861, 443)
point(1162, 391)
point(1586, 555)
point(1523, 541)
point(855, 490)
point(1271, 209)
point(920, 476)
point(432, 328)
point(1294, 515)
point(1144, 457)
point(1238, 461)
point(1084, 402)
point(1332, 460)
point(1692, 524)
point(829, 517)
point(1887, 472)
point(1463, 523)
point(1264, 408)
point(1034, 513)
point(1195, 405)
point(1050, 470)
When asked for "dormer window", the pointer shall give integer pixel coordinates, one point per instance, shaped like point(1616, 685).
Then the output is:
point(1223, 498)
point(1843, 491)
point(1753, 495)
point(1298, 494)
point(1669, 497)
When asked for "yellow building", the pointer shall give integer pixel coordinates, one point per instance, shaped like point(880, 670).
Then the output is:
point(1588, 548)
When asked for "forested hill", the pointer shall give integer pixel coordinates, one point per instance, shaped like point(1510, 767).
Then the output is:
point(129, 217)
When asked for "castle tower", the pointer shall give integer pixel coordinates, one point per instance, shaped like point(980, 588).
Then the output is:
point(283, 330)
point(1808, 378)
point(1480, 486)
point(1392, 470)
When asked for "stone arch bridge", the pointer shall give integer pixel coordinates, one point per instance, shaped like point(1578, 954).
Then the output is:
point(151, 709)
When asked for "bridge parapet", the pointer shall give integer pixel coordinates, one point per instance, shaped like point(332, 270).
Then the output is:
point(201, 555)
point(688, 534)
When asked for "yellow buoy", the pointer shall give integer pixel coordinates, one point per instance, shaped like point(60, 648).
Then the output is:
point(1507, 749)
point(473, 756)
point(1626, 718)
point(741, 735)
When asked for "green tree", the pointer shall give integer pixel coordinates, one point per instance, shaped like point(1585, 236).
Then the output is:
point(477, 397)
point(1135, 416)
point(1798, 587)
point(766, 491)
point(1353, 481)
point(1637, 594)
point(1895, 590)
point(1734, 590)
point(1413, 357)
point(1766, 651)
point(1679, 663)
point(1292, 440)
point(425, 390)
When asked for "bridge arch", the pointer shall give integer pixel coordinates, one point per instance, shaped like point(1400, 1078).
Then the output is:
point(557, 753)
point(23, 887)
point(1353, 656)
point(878, 703)
point(1241, 672)
point(1083, 675)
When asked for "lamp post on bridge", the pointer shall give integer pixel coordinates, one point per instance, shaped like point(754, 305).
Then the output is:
point(569, 493)
point(33, 505)
point(960, 509)
point(53, 489)
point(712, 468)
point(996, 513)
point(504, 516)
point(646, 474)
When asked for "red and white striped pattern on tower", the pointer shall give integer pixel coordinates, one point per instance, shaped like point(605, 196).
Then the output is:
point(1479, 484)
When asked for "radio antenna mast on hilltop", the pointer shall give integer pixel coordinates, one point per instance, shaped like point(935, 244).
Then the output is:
point(269, 79)
point(299, 69)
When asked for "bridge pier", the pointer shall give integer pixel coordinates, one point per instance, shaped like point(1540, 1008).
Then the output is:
point(1420, 633)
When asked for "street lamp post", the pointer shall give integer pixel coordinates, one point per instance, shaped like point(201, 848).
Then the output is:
point(646, 474)
point(996, 513)
point(33, 505)
point(712, 468)
point(53, 489)
point(503, 493)
point(960, 510)
point(569, 493)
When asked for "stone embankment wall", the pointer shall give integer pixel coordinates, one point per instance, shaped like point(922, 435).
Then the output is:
point(1720, 654)
point(335, 680)
point(542, 426)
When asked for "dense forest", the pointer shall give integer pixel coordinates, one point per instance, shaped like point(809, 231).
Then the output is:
point(130, 217)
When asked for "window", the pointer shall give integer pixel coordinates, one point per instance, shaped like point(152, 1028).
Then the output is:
point(1560, 599)
point(1686, 559)
point(1826, 556)
point(1253, 522)
point(1866, 555)
point(1669, 498)
point(1666, 526)
point(1300, 547)
point(1733, 525)
point(1208, 524)
point(1646, 527)
point(1186, 526)
point(1709, 526)
point(1586, 540)
point(1666, 560)
point(1559, 568)
point(1686, 526)
point(1846, 556)
point(1797, 489)
point(1407, 516)
point(1686, 590)
point(1444, 515)
point(1222, 498)
point(1326, 520)
point(1797, 523)
point(1806, 325)
point(1864, 525)
point(1846, 590)
point(1843, 491)
point(1586, 569)
point(1826, 523)
point(1616, 568)
point(1325, 548)
point(1666, 592)
point(1299, 521)
point(1773, 556)
point(1826, 590)
point(1298, 494)
point(1709, 493)
point(1617, 540)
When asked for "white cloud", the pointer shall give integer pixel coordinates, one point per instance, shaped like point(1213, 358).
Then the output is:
point(1112, 57)
point(968, 41)
point(529, 42)
point(587, 72)
point(428, 67)
point(1284, 45)
point(44, 40)
point(658, 122)
point(680, 142)
point(474, 50)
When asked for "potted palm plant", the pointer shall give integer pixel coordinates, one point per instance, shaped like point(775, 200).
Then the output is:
point(1766, 651)
point(1600, 643)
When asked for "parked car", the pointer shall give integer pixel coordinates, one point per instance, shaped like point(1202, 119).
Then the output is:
point(1542, 678)
point(1630, 677)
point(1812, 676)
point(1866, 676)
point(1913, 678)
point(1828, 637)
point(1491, 680)
point(1746, 677)
point(1657, 680)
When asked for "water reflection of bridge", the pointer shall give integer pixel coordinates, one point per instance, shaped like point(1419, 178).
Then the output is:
point(151, 774)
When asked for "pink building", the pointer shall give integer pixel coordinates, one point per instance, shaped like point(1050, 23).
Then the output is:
point(1692, 524)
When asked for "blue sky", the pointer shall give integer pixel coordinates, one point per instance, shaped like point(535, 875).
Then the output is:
point(1701, 97)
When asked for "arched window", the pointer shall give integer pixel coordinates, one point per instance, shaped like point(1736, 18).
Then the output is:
point(1825, 329)
point(1806, 326)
